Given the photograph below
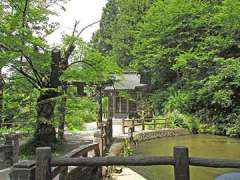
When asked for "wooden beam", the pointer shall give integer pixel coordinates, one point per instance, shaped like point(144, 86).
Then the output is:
point(108, 161)
point(215, 163)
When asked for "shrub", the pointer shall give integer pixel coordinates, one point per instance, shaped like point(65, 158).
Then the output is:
point(195, 125)
point(178, 120)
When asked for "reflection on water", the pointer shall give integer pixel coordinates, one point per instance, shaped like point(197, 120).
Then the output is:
point(207, 146)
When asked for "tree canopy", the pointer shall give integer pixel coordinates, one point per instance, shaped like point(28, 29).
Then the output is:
point(191, 51)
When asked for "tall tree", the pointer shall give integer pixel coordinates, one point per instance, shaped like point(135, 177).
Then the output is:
point(25, 26)
point(117, 28)
point(192, 48)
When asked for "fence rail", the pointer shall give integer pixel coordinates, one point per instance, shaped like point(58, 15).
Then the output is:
point(180, 160)
point(132, 123)
point(46, 167)
point(79, 152)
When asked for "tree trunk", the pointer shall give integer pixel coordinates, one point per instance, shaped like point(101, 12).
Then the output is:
point(1, 97)
point(62, 114)
point(45, 133)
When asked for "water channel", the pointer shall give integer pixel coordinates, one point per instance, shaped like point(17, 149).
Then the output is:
point(207, 146)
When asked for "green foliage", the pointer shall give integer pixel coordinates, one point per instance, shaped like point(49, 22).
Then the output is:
point(127, 150)
point(195, 125)
point(25, 27)
point(115, 38)
point(79, 111)
point(176, 119)
point(177, 101)
point(191, 50)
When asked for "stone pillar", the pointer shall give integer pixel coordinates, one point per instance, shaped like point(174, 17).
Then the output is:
point(8, 153)
point(15, 139)
point(24, 170)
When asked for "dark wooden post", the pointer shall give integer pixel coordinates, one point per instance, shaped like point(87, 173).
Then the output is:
point(143, 124)
point(181, 168)
point(133, 124)
point(123, 126)
point(110, 126)
point(165, 123)
point(43, 168)
point(130, 134)
point(104, 136)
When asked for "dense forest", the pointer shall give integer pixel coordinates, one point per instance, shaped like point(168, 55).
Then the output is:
point(188, 51)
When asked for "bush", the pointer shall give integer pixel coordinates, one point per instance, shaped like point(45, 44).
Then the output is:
point(127, 150)
point(195, 125)
point(178, 120)
point(234, 129)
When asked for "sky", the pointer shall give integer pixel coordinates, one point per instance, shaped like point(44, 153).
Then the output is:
point(85, 11)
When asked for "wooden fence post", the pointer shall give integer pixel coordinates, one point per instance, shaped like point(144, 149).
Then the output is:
point(123, 126)
point(154, 123)
point(165, 123)
point(181, 168)
point(133, 124)
point(43, 168)
point(143, 124)
point(110, 130)
point(130, 134)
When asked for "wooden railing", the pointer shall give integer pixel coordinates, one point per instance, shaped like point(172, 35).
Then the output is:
point(34, 169)
point(62, 171)
point(180, 160)
point(128, 123)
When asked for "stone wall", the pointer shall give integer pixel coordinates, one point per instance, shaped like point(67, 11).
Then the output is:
point(153, 134)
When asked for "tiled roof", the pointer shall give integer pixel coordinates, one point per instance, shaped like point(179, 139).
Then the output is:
point(126, 81)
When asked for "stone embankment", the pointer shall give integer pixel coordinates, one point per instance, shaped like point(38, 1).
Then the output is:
point(115, 150)
point(153, 134)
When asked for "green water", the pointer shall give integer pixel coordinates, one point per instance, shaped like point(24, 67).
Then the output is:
point(207, 146)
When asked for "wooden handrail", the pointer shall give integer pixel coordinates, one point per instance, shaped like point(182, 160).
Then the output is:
point(82, 151)
point(143, 161)
point(180, 160)
point(215, 163)
point(143, 122)
point(108, 161)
